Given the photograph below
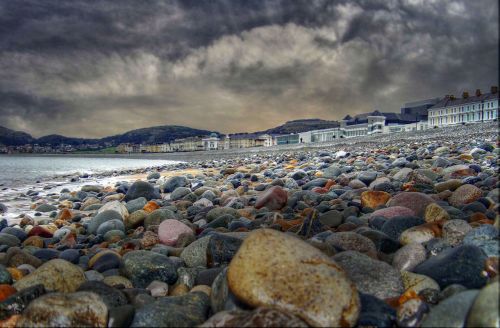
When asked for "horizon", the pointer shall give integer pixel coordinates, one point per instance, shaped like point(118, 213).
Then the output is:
point(92, 70)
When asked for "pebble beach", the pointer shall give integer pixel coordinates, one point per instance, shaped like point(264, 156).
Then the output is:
point(398, 230)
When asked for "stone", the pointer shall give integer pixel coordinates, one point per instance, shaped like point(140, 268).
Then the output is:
point(417, 282)
point(158, 288)
point(396, 225)
point(465, 194)
point(116, 206)
point(221, 211)
point(195, 254)
point(188, 310)
point(375, 312)
point(460, 265)
point(142, 267)
point(344, 241)
point(409, 256)
point(102, 217)
point(174, 182)
point(158, 216)
point(15, 257)
point(331, 218)
point(435, 213)
point(373, 199)
point(121, 316)
point(274, 198)
point(260, 317)
point(5, 277)
point(393, 211)
point(55, 275)
point(221, 249)
point(6, 291)
point(485, 237)
point(170, 230)
point(19, 233)
point(419, 234)
point(117, 281)
point(16, 303)
point(484, 310)
point(105, 260)
point(112, 297)
point(44, 208)
point(371, 276)
point(268, 262)
point(142, 189)
point(135, 219)
point(415, 201)
point(451, 184)
point(110, 225)
point(179, 193)
point(9, 240)
point(451, 312)
point(135, 204)
point(454, 231)
point(153, 176)
point(65, 310)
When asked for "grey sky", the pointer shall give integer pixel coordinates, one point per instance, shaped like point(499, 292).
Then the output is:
point(97, 68)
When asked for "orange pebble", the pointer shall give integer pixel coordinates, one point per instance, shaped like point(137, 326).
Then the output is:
point(15, 273)
point(151, 206)
point(10, 322)
point(6, 291)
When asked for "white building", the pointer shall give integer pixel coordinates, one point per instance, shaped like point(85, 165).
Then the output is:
point(212, 142)
point(467, 109)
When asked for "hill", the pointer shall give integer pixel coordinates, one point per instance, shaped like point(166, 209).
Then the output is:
point(10, 137)
point(304, 125)
point(155, 134)
point(56, 139)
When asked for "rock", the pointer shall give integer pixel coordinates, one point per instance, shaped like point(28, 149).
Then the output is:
point(331, 218)
point(91, 188)
point(371, 276)
point(484, 310)
point(153, 176)
point(117, 281)
point(221, 249)
point(450, 184)
point(435, 213)
point(158, 216)
point(174, 182)
point(409, 256)
point(461, 265)
point(135, 204)
point(112, 297)
point(110, 225)
point(170, 230)
point(454, 231)
point(135, 219)
point(373, 199)
point(195, 254)
point(419, 234)
point(268, 262)
point(44, 208)
point(417, 282)
point(415, 201)
point(344, 241)
point(274, 198)
point(188, 310)
point(3, 208)
point(142, 267)
point(121, 316)
point(485, 237)
point(19, 233)
point(55, 275)
point(260, 317)
point(158, 288)
point(393, 211)
point(465, 194)
point(142, 189)
point(396, 225)
point(116, 206)
point(451, 312)
point(179, 193)
point(5, 277)
point(375, 312)
point(65, 310)
point(15, 257)
point(105, 260)
point(17, 302)
point(9, 240)
point(102, 217)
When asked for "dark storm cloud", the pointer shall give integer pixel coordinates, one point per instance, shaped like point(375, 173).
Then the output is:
point(95, 68)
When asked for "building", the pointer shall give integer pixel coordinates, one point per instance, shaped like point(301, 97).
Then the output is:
point(467, 109)
point(212, 142)
point(245, 140)
point(419, 109)
point(187, 144)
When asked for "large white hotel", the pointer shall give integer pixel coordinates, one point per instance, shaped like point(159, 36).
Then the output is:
point(467, 109)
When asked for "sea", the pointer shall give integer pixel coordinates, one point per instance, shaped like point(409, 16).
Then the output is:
point(19, 170)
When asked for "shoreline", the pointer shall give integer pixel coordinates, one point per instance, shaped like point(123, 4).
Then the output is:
point(390, 221)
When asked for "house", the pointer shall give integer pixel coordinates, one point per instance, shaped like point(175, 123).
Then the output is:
point(212, 142)
point(467, 109)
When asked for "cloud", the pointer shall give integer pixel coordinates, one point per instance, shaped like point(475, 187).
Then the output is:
point(99, 68)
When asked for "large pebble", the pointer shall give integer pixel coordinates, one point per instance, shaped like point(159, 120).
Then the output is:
point(451, 312)
point(269, 263)
point(465, 194)
point(415, 201)
point(484, 311)
point(142, 267)
point(170, 230)
point(274, 198)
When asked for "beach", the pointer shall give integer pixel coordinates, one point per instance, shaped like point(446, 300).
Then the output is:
point(388, 230)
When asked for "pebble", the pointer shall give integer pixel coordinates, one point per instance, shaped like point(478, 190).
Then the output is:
point(274, 198)
point(409, 256)
point(143, 267)
point(325, 298)
point(484, 311)
point(170, 230)
point(465, 194)
point(371, 276)
point(451, 312)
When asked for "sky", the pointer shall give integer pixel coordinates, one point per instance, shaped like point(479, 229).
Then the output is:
point(98, 68)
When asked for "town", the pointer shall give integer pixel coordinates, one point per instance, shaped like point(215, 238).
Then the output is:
point(417, 115)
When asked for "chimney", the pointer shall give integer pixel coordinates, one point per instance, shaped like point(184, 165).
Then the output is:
point(465, 94)
point(494, 89)
point(478, 93)
point(452, 97)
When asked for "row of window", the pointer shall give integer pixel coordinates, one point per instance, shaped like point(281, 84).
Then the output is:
point(462, 109)
point(472, 117)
